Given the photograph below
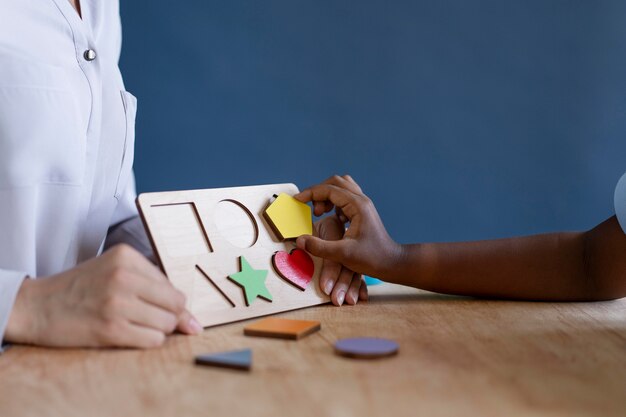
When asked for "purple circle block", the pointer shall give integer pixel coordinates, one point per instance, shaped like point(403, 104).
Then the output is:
point(366, 347)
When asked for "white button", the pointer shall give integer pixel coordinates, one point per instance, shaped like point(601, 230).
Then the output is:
point(89, 55)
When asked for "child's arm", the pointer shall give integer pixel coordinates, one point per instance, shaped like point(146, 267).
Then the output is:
point(560, 266)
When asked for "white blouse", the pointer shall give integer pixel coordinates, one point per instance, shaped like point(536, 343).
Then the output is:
point(66, 138)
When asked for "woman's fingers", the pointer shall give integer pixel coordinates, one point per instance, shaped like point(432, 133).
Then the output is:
point(147, 315)
point(161, 294)
point(125, 257)
point(188, 324)
point(127, 334)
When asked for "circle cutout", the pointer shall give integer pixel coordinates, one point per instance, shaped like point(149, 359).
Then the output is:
point(236, 224)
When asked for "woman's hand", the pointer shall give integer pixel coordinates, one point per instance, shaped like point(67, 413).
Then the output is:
point(337, 281)
point(366, 247)
point(118, 299)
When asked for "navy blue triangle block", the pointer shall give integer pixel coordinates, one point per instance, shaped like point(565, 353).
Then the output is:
point(234, 359)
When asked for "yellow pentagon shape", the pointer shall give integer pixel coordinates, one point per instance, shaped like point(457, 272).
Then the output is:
point(289, 217)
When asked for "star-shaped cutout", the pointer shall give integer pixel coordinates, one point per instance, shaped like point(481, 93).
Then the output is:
point(252, 281)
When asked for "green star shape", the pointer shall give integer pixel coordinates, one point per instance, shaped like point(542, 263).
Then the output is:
point(252, 281)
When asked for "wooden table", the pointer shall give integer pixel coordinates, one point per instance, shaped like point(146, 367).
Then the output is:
point(458, 357)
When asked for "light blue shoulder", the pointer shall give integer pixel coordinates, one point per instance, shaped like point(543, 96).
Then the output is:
point(620, 202)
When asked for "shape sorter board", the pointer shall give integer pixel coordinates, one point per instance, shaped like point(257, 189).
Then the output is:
point(202, 238)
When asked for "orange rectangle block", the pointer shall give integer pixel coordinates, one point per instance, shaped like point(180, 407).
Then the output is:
point(282, 328)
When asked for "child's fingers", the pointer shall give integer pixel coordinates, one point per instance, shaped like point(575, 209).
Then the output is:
point(357, 188)
point(363, 293)
point(346, 182)
point(343, 219)
point(325, 192)
point(352, 295)
point(347, 201)
point(329, 275)
point(321, 207)
point(318, 208)
point(341, 287)
point(328, 249)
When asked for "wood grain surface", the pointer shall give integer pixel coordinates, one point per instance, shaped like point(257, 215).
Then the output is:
point(458, 357)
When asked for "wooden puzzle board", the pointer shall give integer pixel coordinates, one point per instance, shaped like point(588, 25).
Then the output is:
point(199, 236)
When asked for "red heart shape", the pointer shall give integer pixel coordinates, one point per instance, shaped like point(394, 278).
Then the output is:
point(296, 267)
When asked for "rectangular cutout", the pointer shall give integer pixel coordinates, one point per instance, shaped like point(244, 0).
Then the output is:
point(182, 230)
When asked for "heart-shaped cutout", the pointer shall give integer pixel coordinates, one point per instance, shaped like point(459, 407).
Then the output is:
point(296, 267)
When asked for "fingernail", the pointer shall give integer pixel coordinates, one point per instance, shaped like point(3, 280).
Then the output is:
point(351, 300)
point(194, 325)
point(328, 287)
point(340, 297)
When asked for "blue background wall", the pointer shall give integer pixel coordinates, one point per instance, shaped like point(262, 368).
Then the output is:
point(463, 119)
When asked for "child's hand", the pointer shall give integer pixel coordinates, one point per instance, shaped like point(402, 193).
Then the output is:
point(341, 283)
point(366, 247)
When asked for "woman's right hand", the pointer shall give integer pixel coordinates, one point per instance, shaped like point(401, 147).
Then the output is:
point(366, 247)
point(117, 299)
